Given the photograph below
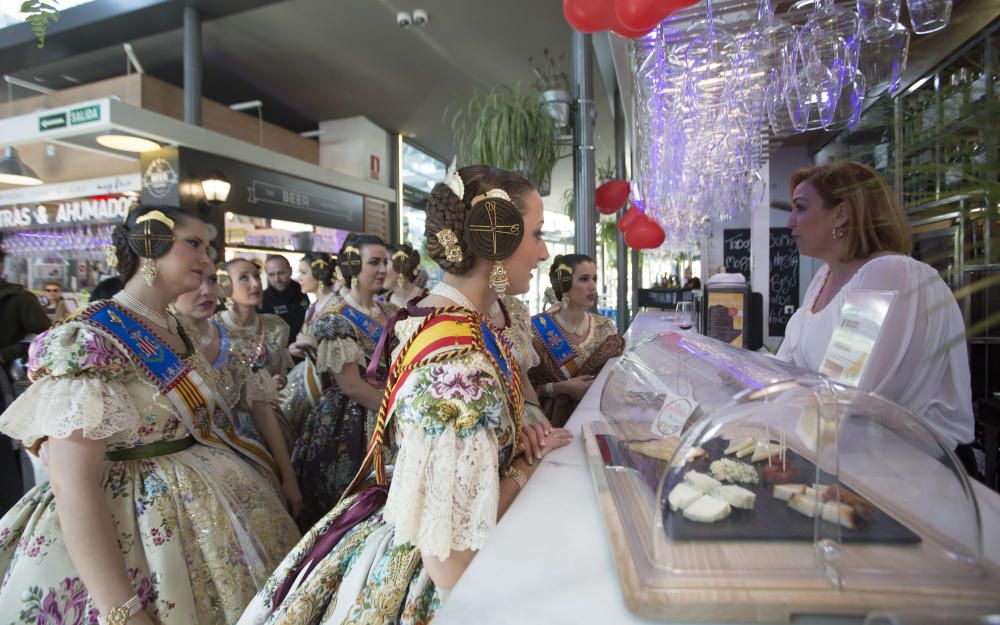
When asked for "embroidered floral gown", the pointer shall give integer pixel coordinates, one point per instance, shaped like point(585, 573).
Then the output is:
point(600, 343)
point(454, 421)
point(304, 386)
point(334, 435)
point(199, 529)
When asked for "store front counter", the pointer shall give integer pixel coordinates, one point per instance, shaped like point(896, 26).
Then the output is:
point(549, 560)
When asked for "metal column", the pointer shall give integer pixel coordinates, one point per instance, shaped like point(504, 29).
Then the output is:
point(192, 66)
point(621, 256)
point(584, 212)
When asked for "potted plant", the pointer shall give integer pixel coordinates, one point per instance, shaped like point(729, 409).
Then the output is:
point(507, 128)
point(553, 83)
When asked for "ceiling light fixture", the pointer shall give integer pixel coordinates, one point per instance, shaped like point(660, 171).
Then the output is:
point(127, 143)
point(14, 171)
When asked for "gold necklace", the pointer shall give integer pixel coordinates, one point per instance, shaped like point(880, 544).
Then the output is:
point(372, 312)
point(579, 329)
point(165, 322)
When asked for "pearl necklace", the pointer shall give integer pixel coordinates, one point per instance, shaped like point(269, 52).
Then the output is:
point(578, 330)
point(449, 292)
point(126, 299)
point(372, 312)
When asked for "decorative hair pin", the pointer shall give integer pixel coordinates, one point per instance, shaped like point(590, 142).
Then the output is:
point(494, 193)
point(156, 216)
point(318, 262)
point(111, 256)
point(452, 252)
point(564, 268)
point(350, 249)
point(453, 180)
point(400, 254)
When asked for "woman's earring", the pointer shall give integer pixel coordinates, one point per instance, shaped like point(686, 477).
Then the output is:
point(498, 279)
point(111, 256)
point(229, 303)
point(400, 282)
point(839, 233)
point(565, 300)
point(148, 271)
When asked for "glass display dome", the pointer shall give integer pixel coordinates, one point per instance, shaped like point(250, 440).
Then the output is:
point(752, 489)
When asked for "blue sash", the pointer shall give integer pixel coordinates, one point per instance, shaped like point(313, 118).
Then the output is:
point(551, 335)
point(364, 323)
point(493, 347)
point(199, 406)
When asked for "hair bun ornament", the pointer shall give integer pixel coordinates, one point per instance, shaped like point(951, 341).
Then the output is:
point(454, 181)
point(223, 280)
point(494, 226)
point(349, 261)
point(152, 235)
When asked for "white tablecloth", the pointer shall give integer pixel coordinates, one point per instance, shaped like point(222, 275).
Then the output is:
point(549, 560)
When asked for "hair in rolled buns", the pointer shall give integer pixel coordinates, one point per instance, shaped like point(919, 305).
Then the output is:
point(405, 261)
point(349, 258)
point(131, 243)
point(561, 271)
point(321, 267)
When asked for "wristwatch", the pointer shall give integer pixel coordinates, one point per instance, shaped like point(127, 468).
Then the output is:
point(121, 614)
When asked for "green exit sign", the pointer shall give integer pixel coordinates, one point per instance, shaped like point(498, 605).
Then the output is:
point(85, 114)
point(51, 122)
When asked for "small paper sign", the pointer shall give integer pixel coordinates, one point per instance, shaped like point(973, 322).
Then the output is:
point(861, 318)
point(674, 414)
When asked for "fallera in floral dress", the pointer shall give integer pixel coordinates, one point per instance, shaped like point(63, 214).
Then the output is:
point(454, 410)
point(199, 528)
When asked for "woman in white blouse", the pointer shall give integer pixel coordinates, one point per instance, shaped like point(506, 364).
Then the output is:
point(845, 215)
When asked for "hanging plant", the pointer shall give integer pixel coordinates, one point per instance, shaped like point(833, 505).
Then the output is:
point(39, 14)
point(506, 127)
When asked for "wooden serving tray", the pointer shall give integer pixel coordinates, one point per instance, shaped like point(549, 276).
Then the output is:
point(766, 581)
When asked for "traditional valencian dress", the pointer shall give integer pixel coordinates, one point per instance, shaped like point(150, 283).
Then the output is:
point(335, 434)
point(563, 358)
point(263, 352)
point(304, 387)
point(454, 408)
point(199, 529)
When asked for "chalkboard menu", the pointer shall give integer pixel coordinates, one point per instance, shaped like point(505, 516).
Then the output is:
point(736, 251)
point(784, 287)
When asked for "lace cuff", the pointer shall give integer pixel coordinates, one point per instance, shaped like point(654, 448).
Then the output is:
point(445, 490)
point(333, 354)
point(260, 387)
point(58, 406)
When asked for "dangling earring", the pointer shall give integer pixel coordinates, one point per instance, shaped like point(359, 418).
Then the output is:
point(839, 233)
point(399, 280)
point(148, 270)
point(498, 279)
point(565, 300)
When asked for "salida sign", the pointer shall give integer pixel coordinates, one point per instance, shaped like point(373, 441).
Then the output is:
point(69, 212)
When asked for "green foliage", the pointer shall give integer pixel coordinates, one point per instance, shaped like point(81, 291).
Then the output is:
point(550, 74)
point(507, 127)
point(39, 14)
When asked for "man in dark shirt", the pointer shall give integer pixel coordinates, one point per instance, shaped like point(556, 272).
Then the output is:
point(21, 315)
point(284, 296)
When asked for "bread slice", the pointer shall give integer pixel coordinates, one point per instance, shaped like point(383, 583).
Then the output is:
point(701, 482)
point(784, 492)
point(682, 496)
point(735, 496)
point(840, 513)
point(707, 509)
point(804, 504)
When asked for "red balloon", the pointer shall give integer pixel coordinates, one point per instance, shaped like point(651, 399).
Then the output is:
point(644, 234)
point(618, 29)
point(630, 215)
point(611, 196)
point(642, 15)
point(589, 16)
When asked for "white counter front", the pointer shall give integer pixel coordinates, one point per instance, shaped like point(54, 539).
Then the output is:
point(549, 560)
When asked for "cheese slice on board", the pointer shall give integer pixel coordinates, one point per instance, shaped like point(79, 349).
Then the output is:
point(735, 496)
point(784, 492)
point(765, 450)
point(682, 496)
point(739, 444)
point(701, 482)
point(707, 509)
point(805, 505)
point(839, 513)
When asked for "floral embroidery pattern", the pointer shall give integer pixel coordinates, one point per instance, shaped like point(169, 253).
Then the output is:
point(69, 603)
point(457, 393)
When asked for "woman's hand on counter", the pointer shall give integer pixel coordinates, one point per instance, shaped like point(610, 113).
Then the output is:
point(575, 387)
point(537, 440)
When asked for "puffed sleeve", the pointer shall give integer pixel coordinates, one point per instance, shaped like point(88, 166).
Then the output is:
point(77, 378)
point(446, 485)
point(921, 360)
point(338, 344)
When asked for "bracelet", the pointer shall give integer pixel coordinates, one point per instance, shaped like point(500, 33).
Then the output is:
point(121, 614)
point(517, 475)
point(550, 389)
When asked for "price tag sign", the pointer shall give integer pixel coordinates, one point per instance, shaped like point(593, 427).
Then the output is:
point(861, 319)
point(674, 413)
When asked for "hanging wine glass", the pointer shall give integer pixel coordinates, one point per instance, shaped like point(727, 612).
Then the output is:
point(826, 54)
point(928, 16)
point(883, 58)
point(876, 17)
